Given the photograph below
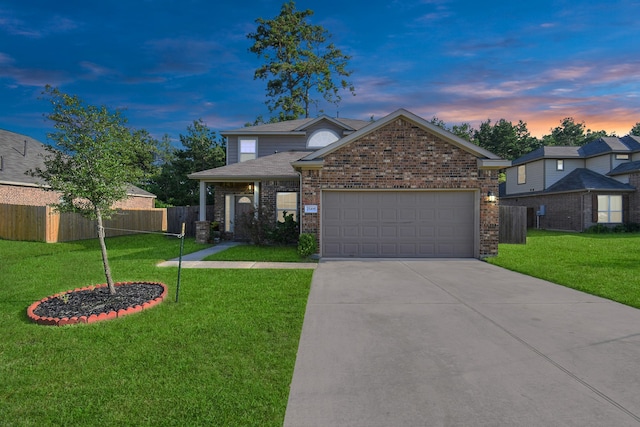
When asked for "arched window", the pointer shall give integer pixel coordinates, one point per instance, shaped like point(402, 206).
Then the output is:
point(322, 138)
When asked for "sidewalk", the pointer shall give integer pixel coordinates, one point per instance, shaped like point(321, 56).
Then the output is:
point(194, 260)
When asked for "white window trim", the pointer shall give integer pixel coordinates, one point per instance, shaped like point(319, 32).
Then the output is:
point(522, 177)
point(279, 210)
point(240, 153)
point(560, 164)
point(606, 210)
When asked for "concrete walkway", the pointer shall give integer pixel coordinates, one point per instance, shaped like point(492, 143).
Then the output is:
point(194, 260)
point(460, 343)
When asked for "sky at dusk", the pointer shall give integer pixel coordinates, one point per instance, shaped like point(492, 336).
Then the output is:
point(169, 63)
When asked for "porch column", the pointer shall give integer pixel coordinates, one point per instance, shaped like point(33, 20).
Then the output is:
point(256, 195)
point(202, 226)
point(203, 201)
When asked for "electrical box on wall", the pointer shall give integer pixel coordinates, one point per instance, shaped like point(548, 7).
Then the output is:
point(541, 210)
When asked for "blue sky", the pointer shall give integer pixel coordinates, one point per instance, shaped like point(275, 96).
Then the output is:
point(168, 62)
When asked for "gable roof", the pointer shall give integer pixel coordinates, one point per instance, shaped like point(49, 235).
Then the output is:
point(631, 141)
point(582, 179)
point(492, 160)
point(549, 152)
point(606, 144)
point(20, 153)
point(624, 168)
point(295, 127)
point(276, 166)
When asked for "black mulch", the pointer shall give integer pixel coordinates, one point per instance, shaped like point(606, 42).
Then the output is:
point(98, 300)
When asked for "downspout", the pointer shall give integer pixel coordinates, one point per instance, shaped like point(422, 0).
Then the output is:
point(300, 216)
point(586, 195)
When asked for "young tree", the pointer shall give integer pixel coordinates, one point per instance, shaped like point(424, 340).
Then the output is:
point(299, 63)
point(635, 130)
point(94, 159)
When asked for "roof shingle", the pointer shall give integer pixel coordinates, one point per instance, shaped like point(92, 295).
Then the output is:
point(275, 166)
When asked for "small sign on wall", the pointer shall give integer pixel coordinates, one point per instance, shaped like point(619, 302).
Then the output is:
point(310, 208)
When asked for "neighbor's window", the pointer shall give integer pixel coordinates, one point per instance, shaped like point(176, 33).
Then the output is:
point(622, 157)
point(287, 202)
point(522, 174)
point(609, 209)
point(560, 165)
point(248, 148)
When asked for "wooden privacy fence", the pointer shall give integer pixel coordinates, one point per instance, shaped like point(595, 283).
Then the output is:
point(185, 214)
point(513, 224)
point(43, 224)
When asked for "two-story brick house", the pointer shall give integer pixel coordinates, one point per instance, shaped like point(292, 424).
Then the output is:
point(574, 188)
point(395, 187)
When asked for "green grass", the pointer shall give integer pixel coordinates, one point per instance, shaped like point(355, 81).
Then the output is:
point(223, 355)
point(259, 253)
point(606, 265)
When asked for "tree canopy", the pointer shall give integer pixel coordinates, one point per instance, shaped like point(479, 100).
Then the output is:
point(300, 64)
point(505, 139)
point(202, 150)
point(571, 133)
point(96, 156)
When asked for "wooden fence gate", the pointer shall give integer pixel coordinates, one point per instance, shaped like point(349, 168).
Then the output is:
point(513, 224)
point(189, 215)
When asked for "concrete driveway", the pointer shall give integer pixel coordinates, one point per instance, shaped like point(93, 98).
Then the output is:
point(460, 343)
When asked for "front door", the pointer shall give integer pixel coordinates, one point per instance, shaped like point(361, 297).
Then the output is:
point(243, 208)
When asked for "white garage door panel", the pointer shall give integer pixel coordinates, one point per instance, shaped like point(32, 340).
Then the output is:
point(398, 224)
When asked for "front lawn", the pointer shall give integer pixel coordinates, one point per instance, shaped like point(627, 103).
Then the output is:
point(223, 355)
point(259, 253)
point(606, 265)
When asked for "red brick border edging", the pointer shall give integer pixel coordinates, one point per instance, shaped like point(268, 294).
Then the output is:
point(55, 321)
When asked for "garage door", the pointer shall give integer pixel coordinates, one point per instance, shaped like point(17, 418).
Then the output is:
point(398, 224)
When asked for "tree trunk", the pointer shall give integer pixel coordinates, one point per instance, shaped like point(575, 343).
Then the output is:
point(105, 259)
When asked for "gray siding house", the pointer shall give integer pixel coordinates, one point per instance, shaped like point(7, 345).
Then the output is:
point(574, 188)
point(395, 187)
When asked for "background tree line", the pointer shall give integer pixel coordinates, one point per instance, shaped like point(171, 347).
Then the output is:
point(511, 141)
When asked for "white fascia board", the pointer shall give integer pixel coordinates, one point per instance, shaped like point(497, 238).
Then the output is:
point(493, 164)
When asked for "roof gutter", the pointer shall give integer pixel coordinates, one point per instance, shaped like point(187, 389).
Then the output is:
point(493, 163)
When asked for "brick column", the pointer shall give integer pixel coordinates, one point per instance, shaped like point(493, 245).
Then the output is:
point(203, 231)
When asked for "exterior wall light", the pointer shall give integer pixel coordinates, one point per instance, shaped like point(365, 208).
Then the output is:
point(491, 198)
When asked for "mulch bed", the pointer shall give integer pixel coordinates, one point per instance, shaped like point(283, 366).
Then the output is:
point(95, 303)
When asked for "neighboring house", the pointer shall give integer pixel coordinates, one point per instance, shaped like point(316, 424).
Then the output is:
point(20, 153)
point(396, 187)
point(574, 188)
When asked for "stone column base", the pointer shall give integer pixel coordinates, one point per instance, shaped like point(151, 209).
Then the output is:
point(203, 231)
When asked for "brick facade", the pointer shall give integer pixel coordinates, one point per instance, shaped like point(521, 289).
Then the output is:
point(403, 156)
point(573, 211)
point(562, 211)
point(267, 190)
point(634, 199)
point(35, 196)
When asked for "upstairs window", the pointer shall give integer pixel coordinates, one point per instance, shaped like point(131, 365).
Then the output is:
point(247, 148)
point(560, 165)
point(622, 157)
point(610, 209)
point(522, 174)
